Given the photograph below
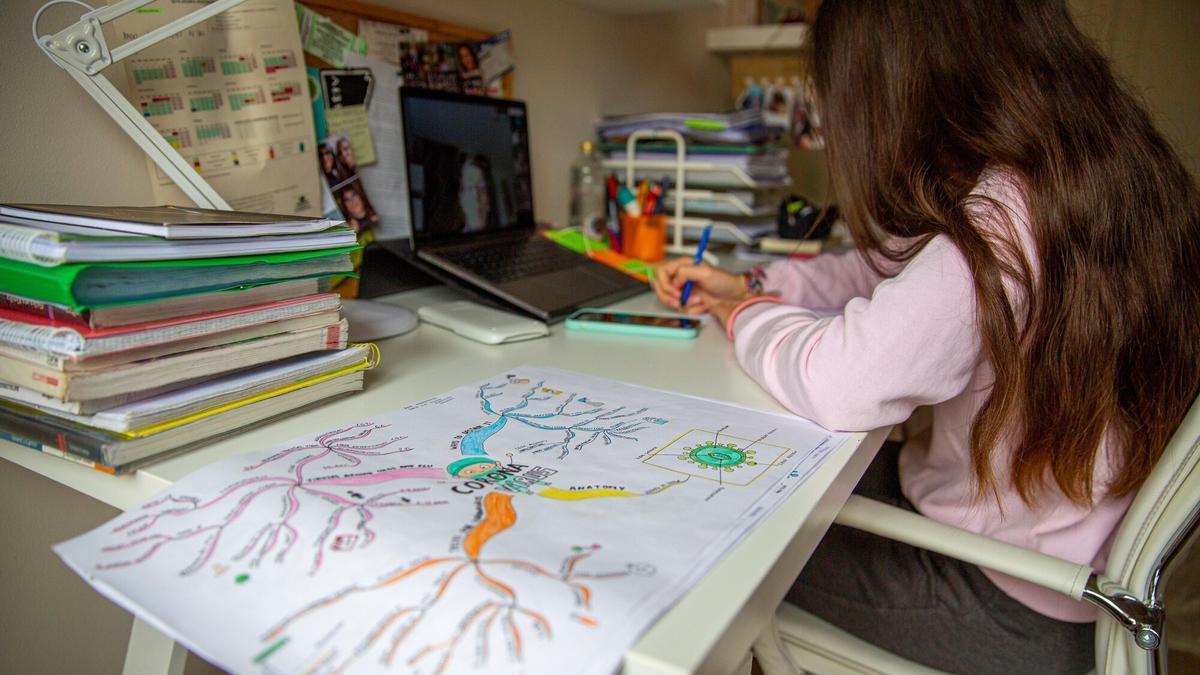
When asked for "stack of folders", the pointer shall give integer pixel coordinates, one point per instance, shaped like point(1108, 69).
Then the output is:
point(127, 333)
point(723, 150)
point(735, 164)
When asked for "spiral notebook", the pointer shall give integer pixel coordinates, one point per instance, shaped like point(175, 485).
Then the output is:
point(170, 222)
point(52, 244)
point(33, 333)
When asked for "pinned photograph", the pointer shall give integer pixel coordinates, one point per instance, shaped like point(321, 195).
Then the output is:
point(340, 169)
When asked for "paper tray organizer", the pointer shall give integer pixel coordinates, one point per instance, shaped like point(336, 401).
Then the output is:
point(707, 172)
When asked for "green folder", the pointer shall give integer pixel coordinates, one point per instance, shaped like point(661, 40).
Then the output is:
point(85, 285)
point(573, 239)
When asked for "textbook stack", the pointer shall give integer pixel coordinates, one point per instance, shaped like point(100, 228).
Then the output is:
point(126, 333)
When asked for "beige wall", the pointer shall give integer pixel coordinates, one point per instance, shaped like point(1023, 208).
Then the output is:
point(573, 65)
point(1154, 46)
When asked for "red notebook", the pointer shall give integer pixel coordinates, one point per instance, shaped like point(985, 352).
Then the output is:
point(143, 312)
point(31, 332)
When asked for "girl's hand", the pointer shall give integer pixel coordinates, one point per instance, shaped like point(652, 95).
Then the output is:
point(721, 309)
point(710, 286)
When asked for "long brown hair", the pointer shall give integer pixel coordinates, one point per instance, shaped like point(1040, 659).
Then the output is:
point(919, 98)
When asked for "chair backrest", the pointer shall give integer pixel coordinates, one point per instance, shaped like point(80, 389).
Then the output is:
point(1164, 510)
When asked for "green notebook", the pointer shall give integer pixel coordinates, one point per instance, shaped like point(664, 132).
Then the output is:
point(83, 286)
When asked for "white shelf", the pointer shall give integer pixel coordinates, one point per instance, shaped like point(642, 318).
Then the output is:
point(778, 37)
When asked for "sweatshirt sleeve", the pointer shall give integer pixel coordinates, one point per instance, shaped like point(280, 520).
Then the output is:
point(827, 281)
point(912, 342)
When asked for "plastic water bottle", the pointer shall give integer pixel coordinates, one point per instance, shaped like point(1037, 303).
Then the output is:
point(588, 198)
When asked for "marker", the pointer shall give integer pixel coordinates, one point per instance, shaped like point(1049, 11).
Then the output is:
point(651, 202)
point(614, 221)
point(707, 125)
point(628, 201)
point(687, 288)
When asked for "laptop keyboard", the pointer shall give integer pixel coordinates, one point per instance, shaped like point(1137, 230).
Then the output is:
point(509, 261)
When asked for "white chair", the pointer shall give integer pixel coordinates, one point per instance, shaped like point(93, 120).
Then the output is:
point(1129, 634)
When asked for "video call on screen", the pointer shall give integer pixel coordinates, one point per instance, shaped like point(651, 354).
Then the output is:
point(468, 166)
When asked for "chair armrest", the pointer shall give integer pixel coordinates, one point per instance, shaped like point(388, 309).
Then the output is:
point(911, 528)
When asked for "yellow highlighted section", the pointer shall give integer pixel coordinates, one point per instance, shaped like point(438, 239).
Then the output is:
point(575, 495)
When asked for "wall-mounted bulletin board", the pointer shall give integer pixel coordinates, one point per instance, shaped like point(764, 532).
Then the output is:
point(357, 56)
point(348, 14)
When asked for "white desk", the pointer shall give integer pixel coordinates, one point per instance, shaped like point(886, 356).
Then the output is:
point(709, 630)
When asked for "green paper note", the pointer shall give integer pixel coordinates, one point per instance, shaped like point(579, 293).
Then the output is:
point(325, 39)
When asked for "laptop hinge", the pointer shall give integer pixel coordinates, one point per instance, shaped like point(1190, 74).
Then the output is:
point(481, 240)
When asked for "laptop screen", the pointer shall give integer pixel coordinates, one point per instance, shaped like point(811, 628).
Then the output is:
point(468, 164)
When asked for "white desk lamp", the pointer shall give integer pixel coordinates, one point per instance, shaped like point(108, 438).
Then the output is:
point(80, 49)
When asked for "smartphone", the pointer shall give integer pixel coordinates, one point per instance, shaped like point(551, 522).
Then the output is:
point(634, 323)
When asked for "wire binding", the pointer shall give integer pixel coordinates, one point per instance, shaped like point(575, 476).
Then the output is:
point(19, 243)
point(52, 340)
point(374, 357)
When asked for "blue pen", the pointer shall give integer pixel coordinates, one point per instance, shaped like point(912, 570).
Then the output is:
point(687, 288)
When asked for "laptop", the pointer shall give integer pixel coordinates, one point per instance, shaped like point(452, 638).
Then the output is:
point(471, 207)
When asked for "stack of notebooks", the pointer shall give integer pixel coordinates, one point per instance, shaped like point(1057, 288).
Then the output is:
point(127, 333)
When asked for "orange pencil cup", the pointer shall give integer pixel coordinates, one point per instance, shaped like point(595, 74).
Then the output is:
point(644, 237)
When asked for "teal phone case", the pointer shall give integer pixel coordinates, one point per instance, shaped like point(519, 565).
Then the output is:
point(628, 328)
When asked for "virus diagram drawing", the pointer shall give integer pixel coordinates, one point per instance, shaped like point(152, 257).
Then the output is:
point(462, 609)
point(242, 522)
point(716, 456)
point(574, 421)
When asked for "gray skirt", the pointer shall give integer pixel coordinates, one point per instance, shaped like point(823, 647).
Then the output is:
point(926, 607)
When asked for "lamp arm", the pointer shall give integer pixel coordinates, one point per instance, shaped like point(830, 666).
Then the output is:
point(148, 139)
point(81, 45)
point(163, 32)
point(80, 49)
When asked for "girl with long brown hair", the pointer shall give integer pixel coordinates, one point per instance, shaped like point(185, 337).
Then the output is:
point(1028, 264)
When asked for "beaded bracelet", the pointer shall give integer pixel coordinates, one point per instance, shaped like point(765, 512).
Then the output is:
point(754, 280)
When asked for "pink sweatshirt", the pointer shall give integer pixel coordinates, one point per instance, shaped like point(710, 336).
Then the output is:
point(903, 342)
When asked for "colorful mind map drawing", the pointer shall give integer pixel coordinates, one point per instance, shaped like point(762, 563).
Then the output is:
point(428, 540)
point(201, 522)
point(497, 612)
point(576, 421)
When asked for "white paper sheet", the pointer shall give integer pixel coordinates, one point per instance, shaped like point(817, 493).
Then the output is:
point(386, 181)
point(230, 95)
point(383, 39)
point(357, 549)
